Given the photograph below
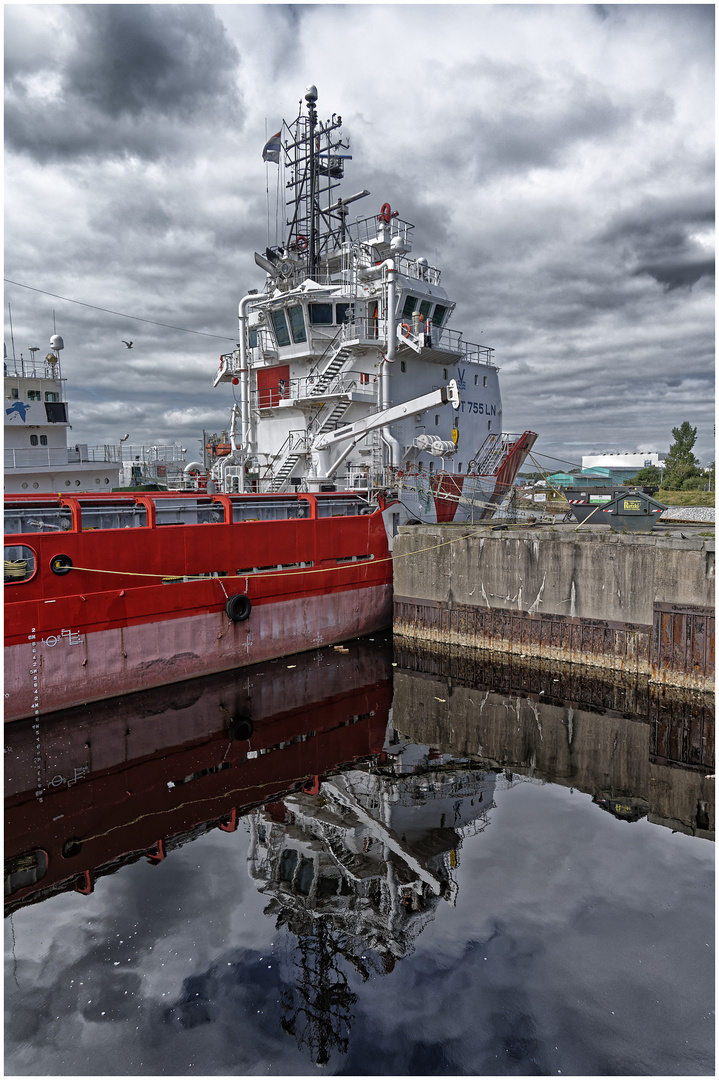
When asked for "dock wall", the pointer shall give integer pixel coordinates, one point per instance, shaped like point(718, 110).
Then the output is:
point(628, 602)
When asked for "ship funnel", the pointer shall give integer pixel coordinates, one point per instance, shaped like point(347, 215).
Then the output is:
point(56, 342)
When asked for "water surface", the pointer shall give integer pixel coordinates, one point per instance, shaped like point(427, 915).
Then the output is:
point(378, 863)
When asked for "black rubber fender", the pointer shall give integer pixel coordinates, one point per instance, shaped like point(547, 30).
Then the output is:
point(238, 607)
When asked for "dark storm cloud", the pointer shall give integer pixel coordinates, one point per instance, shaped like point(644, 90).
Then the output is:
point(132, 78)
point(662, 238)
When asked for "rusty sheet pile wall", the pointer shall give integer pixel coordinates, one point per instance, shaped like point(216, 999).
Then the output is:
point(635, 603)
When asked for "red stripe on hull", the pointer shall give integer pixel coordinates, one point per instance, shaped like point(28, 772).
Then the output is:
point(41, 679)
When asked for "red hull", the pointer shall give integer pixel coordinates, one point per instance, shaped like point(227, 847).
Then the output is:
point(109, 625)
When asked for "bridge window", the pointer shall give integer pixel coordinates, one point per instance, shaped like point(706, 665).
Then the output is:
point(280, 324)
point(424, 308)
point(19, 564)
point(56, 412)
point(34, 395)
point(345, 313)
point(321, 314)
point(409, 305)
point(297, 324)
point(439, 313)
point(52, 395)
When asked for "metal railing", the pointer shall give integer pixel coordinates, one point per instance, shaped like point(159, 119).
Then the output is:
point(41, 456)
point(32, 369)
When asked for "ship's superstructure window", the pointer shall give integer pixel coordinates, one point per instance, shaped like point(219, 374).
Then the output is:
point(33, 440)
point(439, 313)
point(297, 324)
point(402, 365)
point(280, 324)
point(321, 314)
point(476, 379)
point(410, 304)
point(424, 308)
point(444, 373)
point(52, 395)
point(252, 336)
point(484, 381)
point(436, 420)
point(489, 425)
point(56, 412)
point(14, 393)
point(43, 440)
point(34, 395)
point(345, 313)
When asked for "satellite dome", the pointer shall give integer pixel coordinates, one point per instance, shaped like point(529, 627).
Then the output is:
point(56, 342)
point(311, 93)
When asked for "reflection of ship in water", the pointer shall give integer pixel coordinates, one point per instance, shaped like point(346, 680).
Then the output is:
point(638, 750)
point(355, 870)
point(91, 790)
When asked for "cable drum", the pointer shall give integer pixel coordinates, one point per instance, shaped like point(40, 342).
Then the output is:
point(238, 607)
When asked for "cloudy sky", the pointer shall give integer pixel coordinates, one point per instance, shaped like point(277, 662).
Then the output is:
point(557, 162)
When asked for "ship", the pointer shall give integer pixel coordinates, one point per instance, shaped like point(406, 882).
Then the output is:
point(37, 423)
point(339, 349)
point(357, 410)
point(37, 455)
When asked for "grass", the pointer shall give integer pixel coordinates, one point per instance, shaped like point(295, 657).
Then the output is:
point(686, 498)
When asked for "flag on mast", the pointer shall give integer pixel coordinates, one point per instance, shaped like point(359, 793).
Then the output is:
point(271, 151)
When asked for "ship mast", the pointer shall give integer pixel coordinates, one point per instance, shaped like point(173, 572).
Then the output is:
point(313, 153)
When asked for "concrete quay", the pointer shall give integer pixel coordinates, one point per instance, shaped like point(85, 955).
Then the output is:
point(638, 603)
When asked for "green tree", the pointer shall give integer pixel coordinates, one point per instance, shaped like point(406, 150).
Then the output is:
point(650, 475)
point(681, 464)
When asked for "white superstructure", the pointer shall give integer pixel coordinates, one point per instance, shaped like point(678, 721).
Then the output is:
point(37, 455)
point(341, 346)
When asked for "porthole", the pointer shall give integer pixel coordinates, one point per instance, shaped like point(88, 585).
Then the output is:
point(67, 483)
point(35, 484)
point(24, 483)
point(107, 480)
point(77, 483)
point(19, 563)
point(97, 479)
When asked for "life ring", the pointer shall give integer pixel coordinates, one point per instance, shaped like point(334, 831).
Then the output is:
point(406, 328)
point(238, 607)
point(301, 243)
point(385, 213)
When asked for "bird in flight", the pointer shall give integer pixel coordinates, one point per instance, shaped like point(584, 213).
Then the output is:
point(127, 344)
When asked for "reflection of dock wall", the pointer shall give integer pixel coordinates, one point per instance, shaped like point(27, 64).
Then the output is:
point(636, 603)
point(597, 753)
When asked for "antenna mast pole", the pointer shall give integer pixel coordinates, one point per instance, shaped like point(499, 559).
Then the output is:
point(311, 98)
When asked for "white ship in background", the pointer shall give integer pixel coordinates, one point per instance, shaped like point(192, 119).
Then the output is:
point(37, 455)
point(347, 375)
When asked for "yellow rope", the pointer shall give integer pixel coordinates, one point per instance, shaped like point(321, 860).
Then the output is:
point(293, 573)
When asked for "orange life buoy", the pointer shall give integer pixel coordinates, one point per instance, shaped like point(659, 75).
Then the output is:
point(406, 328)
point(385, 213)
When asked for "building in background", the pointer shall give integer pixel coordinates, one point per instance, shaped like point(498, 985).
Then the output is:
point(623, 465)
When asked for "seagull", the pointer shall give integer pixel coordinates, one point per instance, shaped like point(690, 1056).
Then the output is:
point(128, 344)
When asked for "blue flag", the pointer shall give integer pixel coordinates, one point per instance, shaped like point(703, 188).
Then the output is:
point(272, 149)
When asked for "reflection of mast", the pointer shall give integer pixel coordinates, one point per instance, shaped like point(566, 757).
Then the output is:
point(317, 1008)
